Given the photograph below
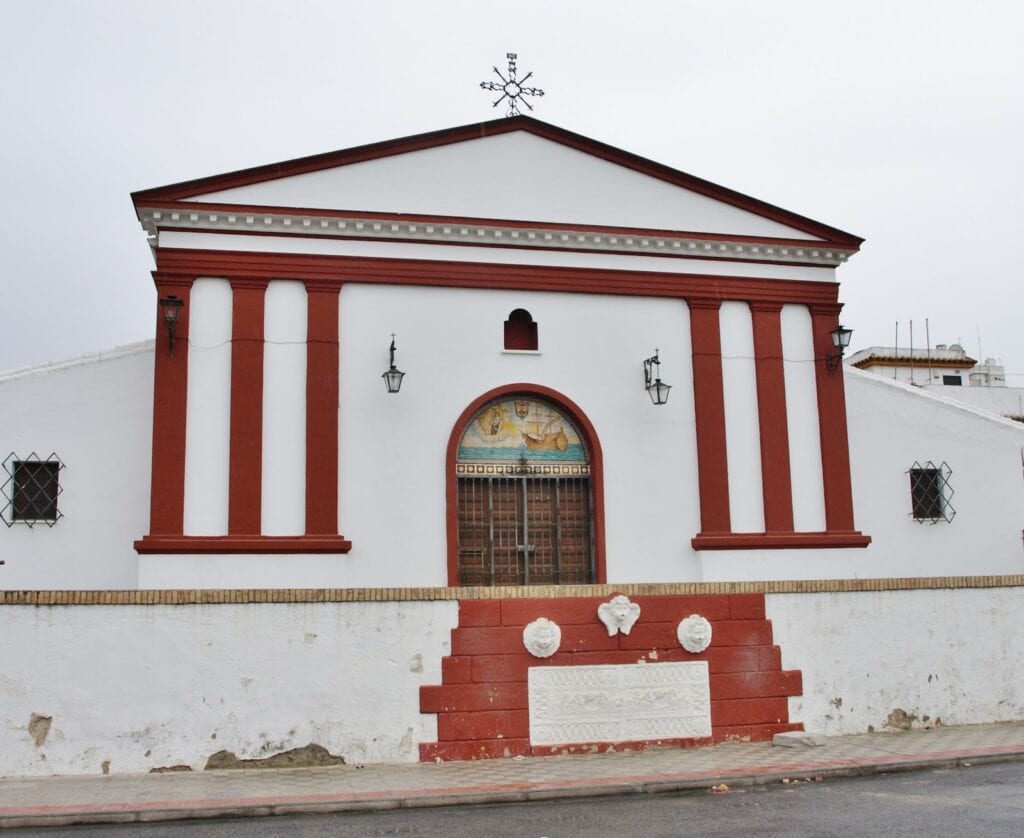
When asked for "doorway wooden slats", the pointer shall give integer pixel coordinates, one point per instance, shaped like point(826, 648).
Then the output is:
point(525, 530)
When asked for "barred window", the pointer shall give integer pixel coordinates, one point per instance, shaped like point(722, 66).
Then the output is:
point(930, 492)
point(31, 489)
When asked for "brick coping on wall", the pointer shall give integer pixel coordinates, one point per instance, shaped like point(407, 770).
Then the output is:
point(302, 595)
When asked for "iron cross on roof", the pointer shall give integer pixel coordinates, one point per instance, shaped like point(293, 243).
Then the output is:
point(511, 88)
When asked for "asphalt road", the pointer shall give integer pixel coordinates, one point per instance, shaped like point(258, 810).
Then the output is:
point(977, 802)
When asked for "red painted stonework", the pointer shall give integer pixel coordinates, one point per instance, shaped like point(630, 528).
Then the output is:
point(482, 704)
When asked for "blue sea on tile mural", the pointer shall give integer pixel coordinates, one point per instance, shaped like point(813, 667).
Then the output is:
point(575, 453)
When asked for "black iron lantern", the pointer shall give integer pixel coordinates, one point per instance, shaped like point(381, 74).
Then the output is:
point(840, 340)
point(656, 388)
point(171, 308)
point(393, 376)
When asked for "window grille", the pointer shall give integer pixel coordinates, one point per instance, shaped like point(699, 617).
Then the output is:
point(31, 488)
point(930, 492)
point(525, 531)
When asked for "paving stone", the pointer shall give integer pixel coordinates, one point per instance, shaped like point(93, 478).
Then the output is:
point(798, 738)
point(38, 801)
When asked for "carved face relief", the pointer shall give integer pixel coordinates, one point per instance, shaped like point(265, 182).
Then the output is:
point(542, 637)
point(694, 633)
point(618, 615)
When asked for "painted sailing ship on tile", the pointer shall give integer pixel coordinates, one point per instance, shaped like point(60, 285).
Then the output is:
point(521, 434)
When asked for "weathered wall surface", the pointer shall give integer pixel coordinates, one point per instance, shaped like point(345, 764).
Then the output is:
point(890, 658)
point(140, 687)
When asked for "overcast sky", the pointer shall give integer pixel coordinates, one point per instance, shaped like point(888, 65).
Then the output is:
point(902, 122)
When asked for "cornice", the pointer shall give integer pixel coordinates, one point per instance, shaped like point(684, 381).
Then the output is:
point(481, 232)
point(920, 363)
point(336, 269)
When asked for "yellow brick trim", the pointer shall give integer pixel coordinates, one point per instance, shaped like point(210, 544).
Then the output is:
point(304, 595)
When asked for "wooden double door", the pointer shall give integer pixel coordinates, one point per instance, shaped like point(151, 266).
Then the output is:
point(525, 530)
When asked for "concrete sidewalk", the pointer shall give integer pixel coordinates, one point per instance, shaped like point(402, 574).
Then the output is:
point(60, 801)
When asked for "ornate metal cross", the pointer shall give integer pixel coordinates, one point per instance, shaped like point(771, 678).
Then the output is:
point(511, 88)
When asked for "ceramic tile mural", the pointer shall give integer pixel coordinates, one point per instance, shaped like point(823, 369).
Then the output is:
point(521, 436)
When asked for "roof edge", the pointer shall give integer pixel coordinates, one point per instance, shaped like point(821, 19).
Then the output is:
point(112, 354)
point(463, 133)
point(880, 381)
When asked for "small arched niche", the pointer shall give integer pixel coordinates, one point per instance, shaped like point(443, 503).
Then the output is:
point(520, 331)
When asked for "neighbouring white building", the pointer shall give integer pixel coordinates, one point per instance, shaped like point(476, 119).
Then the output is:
point(336, 562)
point(939, 369)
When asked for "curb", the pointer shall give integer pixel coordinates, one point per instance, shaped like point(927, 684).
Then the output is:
point(55, 815)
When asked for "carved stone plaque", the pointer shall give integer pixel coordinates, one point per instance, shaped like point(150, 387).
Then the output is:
point(619, 703)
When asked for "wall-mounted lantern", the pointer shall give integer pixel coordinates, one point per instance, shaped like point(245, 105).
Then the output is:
point(393, 376)
point(655, 387)
point(840, 340)
point(171, 307)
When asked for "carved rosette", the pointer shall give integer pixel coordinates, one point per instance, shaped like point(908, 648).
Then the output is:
point(694, 633)
point(542, 637)
point(618, 614)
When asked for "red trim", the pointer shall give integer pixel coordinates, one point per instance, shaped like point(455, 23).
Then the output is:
point(835, 447)
point(483, 704)
point(893, 361)
point(776, 485)
point(778, 541)
point(322, 359)
point(170, 384)
point(245, 496)
point(451, 136)
point(709, 412)
point(441, 273)
point(583, 425)
point(189, 207)
point(200, 544)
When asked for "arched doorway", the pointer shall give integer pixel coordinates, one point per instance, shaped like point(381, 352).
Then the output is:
point(523, 467)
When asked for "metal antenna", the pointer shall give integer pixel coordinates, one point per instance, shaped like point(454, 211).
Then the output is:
point(511, 88)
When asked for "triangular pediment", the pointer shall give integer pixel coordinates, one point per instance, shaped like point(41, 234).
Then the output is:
point(517, 169)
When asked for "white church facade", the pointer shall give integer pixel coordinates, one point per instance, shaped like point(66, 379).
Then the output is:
point(535, 287)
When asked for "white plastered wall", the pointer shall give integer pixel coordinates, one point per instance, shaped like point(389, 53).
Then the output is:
point(517, 176)
point(392, 447)
point(96, 414)
point(945, 656)
point(450, 344)
point(894, 425)
point(142, 687)
point(742, 428)
point(208, 408)
point(805, 469)
point(284, 410)
point(890, 427)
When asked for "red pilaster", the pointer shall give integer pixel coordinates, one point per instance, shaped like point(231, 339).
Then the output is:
point(322, 361)
point(771, 413)
point(246, 467)
point(835, 447)
point(170, 393)
point(709, 408)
